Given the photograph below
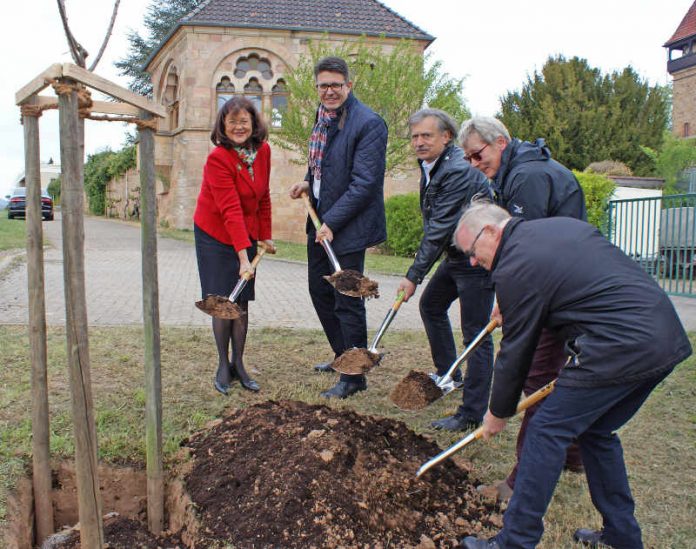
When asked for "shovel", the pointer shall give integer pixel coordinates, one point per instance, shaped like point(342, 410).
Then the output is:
point(225, 307)
point(531, 400)
point(418, 390)
point(360, 361)
point(348, 282)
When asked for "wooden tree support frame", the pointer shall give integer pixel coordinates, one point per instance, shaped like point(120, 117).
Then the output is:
point(142, 111)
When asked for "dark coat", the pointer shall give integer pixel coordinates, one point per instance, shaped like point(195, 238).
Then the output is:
point(618, 324)
point(453, 183)
point(530, 184)
point(351, 197)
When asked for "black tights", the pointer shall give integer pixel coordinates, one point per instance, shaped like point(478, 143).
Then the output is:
point(235, 331)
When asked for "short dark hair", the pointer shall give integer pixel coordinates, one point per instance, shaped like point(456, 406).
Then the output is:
point(259, 132)
point(332, 64)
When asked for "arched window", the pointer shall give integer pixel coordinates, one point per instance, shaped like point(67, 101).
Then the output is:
point(253, 92)
point(171, 98)
point(253, 63)
point(279, 103)
point(224, 91)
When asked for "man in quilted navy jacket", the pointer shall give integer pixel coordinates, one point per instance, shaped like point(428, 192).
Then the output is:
point(448, 182)
point(345, 182)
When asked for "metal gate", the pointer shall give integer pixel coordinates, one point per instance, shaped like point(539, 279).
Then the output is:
point(660, 234)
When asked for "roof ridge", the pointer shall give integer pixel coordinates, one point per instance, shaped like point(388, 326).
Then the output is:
point(193, 12)
point(408, 20)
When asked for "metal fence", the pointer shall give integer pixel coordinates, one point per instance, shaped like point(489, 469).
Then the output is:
point(660, 234)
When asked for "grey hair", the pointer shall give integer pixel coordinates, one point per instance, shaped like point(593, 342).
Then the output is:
point(445, 122)
point(488, 129)
point(478, 214)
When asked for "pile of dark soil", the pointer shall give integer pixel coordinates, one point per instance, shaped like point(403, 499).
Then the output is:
point(219, 307)
point(119, 533)
point(289, 474)
point(415, 391)
point(356, 361)
point(352, 283)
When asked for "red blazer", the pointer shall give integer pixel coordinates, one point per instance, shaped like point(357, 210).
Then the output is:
point(231, 207)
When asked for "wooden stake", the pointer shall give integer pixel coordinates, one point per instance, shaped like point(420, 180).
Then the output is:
point(89, 499)
point(151, 329)
point(40, 430)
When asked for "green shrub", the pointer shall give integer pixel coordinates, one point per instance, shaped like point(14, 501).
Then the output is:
point(404, 224)
point(100, 168)
point(598, 190)
point(609, 167)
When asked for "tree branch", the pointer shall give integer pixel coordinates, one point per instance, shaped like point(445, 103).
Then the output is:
point(76, 50)
point(108, 35)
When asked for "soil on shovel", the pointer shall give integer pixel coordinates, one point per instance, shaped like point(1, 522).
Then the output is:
point(354, 284)
point(289, 474)
point(416, 391)
point(219, 307)
point(356, 361)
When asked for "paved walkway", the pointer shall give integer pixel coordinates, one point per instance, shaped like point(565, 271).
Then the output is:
point(114, 285)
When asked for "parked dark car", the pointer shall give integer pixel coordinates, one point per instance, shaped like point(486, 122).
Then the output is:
point(18, 204)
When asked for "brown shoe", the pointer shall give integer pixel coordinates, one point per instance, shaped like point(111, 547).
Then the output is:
point(500, 491)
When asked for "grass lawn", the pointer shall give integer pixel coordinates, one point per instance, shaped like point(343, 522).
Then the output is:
point(660, 443)
point(292, 251)
point(12, 232)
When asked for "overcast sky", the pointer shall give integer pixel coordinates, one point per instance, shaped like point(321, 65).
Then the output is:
point(495, 45)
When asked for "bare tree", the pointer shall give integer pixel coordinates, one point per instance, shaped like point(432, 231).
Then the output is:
point(78, 52)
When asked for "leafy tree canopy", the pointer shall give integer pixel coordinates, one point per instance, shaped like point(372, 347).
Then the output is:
point(160, 18)
point(675, 156)
point(394, 84)
point(587, 116)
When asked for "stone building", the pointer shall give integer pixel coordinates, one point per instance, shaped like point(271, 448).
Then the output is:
point(227, 47)
point(681, 65)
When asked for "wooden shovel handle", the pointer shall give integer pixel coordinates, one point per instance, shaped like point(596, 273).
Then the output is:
point(260, 251)
point(310, 210)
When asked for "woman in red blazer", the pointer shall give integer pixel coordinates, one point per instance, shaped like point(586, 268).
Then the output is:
point(233, 213)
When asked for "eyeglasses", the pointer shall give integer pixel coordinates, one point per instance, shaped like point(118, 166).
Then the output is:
point(335, 86)
point(471, 252)
point(238, 123)
point(475, 156)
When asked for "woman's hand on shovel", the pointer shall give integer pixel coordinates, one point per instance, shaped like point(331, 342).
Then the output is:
point(492, 425)
point(270, 246)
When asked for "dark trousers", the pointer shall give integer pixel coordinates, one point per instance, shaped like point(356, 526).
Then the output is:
point(549, 357)
point(472, 286)
point(342, 317)
point(591, 415)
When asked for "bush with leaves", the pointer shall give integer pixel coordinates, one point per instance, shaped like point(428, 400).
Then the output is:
point(598, 190)
point(404, 224)
point(101, 168)
point(675, 156)
point(394, 85)
point(53, 189)
point(609, 167)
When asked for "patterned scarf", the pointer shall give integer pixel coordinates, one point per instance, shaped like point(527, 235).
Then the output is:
point(317, 141)
point(247, 156)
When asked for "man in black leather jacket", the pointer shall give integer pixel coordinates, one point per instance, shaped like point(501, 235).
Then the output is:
point(448, 182)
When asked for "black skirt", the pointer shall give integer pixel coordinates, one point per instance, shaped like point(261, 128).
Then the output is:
point(218, 266)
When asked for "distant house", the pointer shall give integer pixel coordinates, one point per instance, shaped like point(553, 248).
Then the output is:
point(681, 64)
point(229, 47)
point(50, 171)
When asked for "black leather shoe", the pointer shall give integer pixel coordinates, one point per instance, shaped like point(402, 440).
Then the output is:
point(471, 542)
point(455, 423)
point(589, 537)
point(250, 385)
point(344, 389)
point(221, 387)
point(324, 368)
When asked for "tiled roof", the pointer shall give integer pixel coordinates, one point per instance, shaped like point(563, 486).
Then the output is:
point(686, 28)
point(342, 16)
